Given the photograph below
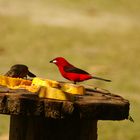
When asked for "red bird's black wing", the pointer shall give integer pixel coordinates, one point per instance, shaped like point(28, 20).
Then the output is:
point(70, 69)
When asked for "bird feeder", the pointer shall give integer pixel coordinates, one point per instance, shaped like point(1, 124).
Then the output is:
point(33, 118)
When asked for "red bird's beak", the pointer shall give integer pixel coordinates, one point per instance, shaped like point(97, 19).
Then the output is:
point(51, 61)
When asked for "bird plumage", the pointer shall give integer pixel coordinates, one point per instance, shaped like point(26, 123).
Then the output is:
point(19, 71)
point(73, 73)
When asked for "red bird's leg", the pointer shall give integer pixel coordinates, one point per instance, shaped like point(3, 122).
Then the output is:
point(74, 82)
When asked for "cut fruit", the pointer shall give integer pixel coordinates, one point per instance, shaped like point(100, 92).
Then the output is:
point(66, 87)
point(54, 93)
point(14, 82)
point(72, 88)
point(45, 88)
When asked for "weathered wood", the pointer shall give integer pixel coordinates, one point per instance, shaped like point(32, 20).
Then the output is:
point(42, 128)
point(34, 118)
point(93, 105)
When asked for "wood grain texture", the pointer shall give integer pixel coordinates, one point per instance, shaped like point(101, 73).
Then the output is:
point(93, 105)
point(42, 128)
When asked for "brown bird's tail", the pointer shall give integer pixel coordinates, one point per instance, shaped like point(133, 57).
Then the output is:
point(101, 79)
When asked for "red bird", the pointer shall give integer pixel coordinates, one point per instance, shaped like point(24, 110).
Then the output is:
point(72, 73)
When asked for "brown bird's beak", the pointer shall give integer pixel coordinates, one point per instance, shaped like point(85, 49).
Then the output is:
point(31, 74)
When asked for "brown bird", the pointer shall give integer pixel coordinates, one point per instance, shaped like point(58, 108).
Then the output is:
point(19, 71)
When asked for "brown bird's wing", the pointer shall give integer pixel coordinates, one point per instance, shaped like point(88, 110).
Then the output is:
point(18, 70)
point(70, 69)
point(13, 73)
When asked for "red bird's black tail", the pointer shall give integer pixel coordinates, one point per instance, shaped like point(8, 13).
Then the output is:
point(101, 79)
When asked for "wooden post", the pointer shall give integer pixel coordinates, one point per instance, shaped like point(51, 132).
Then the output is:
point(34, 118)
point(41, 128)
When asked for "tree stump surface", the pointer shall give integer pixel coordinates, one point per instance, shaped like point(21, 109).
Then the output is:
point(94, 105)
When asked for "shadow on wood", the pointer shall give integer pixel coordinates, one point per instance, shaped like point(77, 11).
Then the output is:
point(41, 128)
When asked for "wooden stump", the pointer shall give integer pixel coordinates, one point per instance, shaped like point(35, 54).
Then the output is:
point(34, 118)
point(41, 128)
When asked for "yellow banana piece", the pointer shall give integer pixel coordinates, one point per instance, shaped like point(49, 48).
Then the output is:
point(13, 82)
point(66, 87)
point(54, 93)
point(72, 88)
point(44, 82)
point(45, 88)
point(57, 90)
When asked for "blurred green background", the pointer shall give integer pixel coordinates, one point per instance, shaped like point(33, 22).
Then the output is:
point(99, 36)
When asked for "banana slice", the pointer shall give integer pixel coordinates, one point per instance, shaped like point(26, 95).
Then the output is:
point(45, 88)
point(45, 82)
point(66, 87)
point(54, 93)
point(13, 82)
point(72, 88)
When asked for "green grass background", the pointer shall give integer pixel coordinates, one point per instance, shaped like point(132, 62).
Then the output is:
point(99, 36)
